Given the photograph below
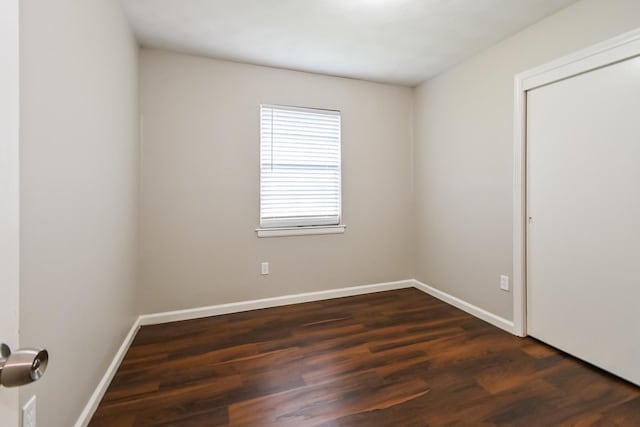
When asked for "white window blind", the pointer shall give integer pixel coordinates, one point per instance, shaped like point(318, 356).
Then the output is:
point(299, 167)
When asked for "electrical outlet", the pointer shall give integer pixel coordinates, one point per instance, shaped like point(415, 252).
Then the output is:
point(29, 413)
point(264, 268)
point(504, 283)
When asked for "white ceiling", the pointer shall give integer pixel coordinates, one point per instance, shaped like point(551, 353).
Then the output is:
point(394, 41)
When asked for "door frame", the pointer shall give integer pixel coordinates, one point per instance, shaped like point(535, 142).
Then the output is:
point(620, 48)
point(9, 192)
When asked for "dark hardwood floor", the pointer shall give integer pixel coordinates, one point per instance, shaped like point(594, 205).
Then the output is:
point(398, 358)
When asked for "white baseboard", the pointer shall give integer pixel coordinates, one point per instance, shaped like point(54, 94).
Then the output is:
point(236, 307)
point(101, 389)
point(478, 312)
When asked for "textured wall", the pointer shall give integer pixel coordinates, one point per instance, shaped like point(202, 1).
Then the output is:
point(79, 179)
point(464, 152)
point(200, 184)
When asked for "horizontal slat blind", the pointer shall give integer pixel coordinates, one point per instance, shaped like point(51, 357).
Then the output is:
point(299, 166)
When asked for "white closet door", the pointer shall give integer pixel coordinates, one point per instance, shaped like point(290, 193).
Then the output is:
point(583, 201)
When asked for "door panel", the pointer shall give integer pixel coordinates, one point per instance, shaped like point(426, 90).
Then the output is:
point(9, 202)
point(583, 198)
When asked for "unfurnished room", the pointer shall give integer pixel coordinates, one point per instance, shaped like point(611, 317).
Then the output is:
point(335, 213)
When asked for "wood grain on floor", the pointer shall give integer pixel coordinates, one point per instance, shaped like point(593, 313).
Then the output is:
point(397, 358)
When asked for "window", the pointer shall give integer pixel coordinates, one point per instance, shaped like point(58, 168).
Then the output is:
point(300, 176)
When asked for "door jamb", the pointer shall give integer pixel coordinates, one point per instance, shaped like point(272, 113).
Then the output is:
point(620, 48)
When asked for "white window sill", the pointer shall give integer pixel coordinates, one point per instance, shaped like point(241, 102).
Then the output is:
point(300, 231)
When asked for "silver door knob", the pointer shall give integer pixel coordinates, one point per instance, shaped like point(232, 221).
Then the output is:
point(23, 366)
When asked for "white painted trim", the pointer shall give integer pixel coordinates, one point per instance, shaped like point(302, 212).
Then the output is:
point(300, 231)
point(101, 389)
point(236, 307)
point(519, 210)
point(617, 49)
point(478, 312)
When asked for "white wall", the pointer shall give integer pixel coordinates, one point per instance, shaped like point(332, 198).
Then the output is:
point(464, 151)
point(79, 157)
point(200, 184)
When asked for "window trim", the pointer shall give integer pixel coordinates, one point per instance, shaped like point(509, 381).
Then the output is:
point(301, 231)
point(283, 228)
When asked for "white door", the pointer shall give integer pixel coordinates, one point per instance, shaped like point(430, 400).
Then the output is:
point(9, 190)
point(583, 200)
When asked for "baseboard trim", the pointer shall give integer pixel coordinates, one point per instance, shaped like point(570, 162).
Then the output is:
point(101, 389)
point(478, 312)
point(236, 307)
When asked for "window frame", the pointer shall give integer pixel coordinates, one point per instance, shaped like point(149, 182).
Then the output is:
point(296, 227)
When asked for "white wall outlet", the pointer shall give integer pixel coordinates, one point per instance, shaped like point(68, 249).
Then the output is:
point(504, 283)
point(29, 413)
point(264, 268)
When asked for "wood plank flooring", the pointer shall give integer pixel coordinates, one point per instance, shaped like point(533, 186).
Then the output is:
point(397, 358)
